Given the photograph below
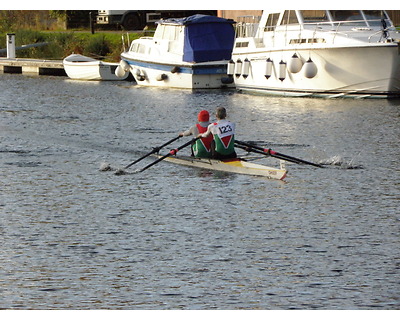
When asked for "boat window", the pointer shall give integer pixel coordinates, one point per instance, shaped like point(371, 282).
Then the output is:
point(310, 40)
point(242, 44)
point(141, 48)
point(289, 17)
point(374, 17)
point(159, 32)
point(167, 33)
point(134, 47)
point(348, 17)
point(314, 16)
point(271, 22)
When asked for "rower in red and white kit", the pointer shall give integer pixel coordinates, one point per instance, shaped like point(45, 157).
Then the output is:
point(202, 147)
point(223, 132)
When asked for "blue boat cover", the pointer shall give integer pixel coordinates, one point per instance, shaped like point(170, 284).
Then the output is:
point(207, 38)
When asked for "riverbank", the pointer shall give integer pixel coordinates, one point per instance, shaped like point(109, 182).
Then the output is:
point(101, 45)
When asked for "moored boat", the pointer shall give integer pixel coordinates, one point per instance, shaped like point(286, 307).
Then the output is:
point(79, 67)
point(238, 165)
point(329, 53)
point(190, 53)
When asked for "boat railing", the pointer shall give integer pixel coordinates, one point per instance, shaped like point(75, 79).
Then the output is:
point(244, 30)
point(247, 26)
point(341, 28)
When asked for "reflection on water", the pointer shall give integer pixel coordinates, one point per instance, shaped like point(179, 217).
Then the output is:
point(181, 238)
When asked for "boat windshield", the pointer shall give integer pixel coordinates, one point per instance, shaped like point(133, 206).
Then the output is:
point(358, 18)
point(314, 16)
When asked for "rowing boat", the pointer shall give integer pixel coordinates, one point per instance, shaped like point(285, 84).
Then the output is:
point(236, 165)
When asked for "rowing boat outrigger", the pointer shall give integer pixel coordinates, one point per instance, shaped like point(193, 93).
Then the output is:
point(236, 165)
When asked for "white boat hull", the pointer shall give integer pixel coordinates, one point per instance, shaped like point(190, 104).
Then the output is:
point(79, 67)
point(367, 71)
point(234, 166)
point(209, 75)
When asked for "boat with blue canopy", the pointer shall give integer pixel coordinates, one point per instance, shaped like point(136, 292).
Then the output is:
point(191, 52)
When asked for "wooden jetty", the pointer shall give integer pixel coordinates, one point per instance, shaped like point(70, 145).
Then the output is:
point(32, 66)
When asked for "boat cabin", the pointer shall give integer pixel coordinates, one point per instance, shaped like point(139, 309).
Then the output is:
point(323, 19)
point(292, 27)
point(198, 38)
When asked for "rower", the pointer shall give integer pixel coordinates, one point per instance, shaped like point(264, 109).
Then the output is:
point(201, 148)
point(223, 132)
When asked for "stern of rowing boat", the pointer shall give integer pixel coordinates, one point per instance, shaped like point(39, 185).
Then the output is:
point(282, 164)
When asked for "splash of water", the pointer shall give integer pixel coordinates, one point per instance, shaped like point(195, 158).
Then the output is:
point(104, 166)
point(339, 161)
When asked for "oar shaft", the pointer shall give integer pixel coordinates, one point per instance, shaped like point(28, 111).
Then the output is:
point(276, 154)
point(171, 153)
point(169, 142)
point(151, 152)
point(250, 149)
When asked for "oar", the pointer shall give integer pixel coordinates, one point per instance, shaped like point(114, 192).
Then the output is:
point(269, 152)
point(171, 153)
point(155, 150)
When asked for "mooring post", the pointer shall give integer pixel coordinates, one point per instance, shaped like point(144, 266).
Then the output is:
point(10, 45)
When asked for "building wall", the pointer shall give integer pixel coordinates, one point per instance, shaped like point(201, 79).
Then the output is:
point(234, 14)
point(395, 16)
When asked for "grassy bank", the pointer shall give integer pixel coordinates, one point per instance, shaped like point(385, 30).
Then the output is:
point(101, 45)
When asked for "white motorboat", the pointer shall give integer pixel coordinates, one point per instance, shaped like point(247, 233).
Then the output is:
point(190, 53)
point(80, 67)
point(332, 53)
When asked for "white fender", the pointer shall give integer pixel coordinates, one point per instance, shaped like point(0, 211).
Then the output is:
point(175, 69)
point(161, 77)
point(124, 65)
point(238, 68)
point(282, 70)
point(231, 68)
point(295, 64)
point(139, 75)
point(246, 68)
point(268, 68)
point(310, 69)
point(119, 72)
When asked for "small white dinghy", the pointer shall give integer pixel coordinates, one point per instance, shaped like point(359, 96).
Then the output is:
point(80, 67)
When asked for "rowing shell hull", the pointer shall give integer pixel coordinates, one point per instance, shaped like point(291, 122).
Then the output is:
point(234, 166)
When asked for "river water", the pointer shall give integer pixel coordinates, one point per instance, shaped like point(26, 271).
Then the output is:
point(172, 237)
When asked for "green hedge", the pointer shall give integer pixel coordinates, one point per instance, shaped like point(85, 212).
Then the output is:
point(102, 45)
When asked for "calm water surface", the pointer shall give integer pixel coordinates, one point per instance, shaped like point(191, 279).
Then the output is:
point(173, 237)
